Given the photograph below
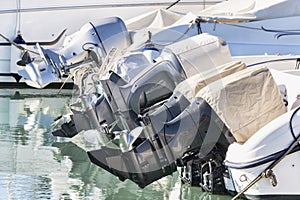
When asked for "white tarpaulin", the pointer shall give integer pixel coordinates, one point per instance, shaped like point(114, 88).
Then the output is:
point(253, 9)
point(201, 52)
point(160, 18)
point(245, 101)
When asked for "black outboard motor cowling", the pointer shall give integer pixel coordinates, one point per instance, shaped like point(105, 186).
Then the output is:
point(156, 154)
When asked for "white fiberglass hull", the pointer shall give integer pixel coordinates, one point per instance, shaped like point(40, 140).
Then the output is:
point(287, 175)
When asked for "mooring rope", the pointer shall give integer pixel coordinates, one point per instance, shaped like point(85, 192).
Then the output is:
point(173, 4)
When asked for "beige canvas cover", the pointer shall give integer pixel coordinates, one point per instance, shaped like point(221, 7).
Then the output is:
point(190, 87)
point(245, 101)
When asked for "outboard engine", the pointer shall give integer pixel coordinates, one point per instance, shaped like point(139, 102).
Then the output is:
point(151, 155)
point(91, 43)
point(136, 83)
point(122, 100)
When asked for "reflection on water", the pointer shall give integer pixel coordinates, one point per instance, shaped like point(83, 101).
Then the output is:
point(36, 165)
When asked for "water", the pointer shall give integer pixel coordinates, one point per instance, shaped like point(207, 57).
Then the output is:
point(36, 165)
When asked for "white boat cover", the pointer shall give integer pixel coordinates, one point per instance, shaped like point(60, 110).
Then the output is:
point(245, 101)
point(157, 19)
point(253, 9)
point(201, 52)
point(191, 86)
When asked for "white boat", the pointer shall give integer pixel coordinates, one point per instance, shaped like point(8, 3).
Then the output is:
point(50, 22)
point(255, 27)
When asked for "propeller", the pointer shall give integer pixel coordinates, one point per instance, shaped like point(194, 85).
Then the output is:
point(26, 59)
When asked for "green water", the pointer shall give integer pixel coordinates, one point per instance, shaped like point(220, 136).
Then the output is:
point(36, 165)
